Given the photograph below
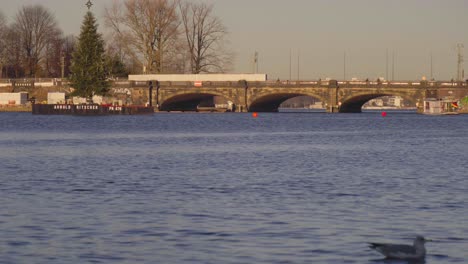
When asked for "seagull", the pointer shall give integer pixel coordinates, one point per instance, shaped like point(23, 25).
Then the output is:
point(395, 251)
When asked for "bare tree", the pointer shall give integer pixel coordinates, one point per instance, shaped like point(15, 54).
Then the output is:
point(14, 55)
point(54, 54)
point(3, 47)
point(206, 38)
point(114, 62)
point(68, 47)
point(34, 24)
point(3, 23)
point(145, 29)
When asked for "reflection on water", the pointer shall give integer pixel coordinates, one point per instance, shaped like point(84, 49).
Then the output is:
point(207, 188)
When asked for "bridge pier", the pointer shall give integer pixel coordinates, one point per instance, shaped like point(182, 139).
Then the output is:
point(333, 109)
point(333, 101)
point(241, 109)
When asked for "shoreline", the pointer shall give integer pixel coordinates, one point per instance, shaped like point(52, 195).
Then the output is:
point(28, 108)
point(15, 108)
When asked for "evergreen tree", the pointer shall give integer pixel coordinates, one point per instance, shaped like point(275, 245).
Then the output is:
point(115, 67)
point(464, 102)
point(88, 69)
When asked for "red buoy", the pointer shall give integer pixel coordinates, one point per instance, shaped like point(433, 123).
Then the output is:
point(254, 114)
point(384, 114)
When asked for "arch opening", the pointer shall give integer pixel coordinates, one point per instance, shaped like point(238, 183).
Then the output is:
point(194, 102)
point(302, 102)
point(273, 102)
point(356, 103)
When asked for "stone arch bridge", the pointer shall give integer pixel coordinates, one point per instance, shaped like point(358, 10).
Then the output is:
point(343, 97)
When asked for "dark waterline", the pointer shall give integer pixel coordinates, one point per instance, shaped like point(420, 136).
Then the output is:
point(229, 188)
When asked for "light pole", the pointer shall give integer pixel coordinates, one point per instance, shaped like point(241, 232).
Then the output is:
point(255, 64)
point(432, 75)
point(460, 71)
point(290, 63)
point(386, 64)
point(298, 64)
point(344, 66)
point(63, 66)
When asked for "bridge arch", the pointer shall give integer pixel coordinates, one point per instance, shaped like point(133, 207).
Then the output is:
point(188, 101)
point(354, 103)
point(271, 102)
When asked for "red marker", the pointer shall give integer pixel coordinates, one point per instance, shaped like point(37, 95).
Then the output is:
point(254, 114)
point(384, 114)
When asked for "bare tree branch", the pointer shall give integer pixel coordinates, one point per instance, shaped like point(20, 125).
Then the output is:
point(206, 38)
point(145, 29)
point(3, 44)
point(34, 24)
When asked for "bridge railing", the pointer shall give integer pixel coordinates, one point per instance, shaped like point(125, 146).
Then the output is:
point(123, 82)
point(408, 83)
point(270, 83)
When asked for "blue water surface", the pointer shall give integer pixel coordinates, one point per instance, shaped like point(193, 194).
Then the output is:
point(229, 188)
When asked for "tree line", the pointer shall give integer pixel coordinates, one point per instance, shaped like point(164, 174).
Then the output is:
point(142, 36)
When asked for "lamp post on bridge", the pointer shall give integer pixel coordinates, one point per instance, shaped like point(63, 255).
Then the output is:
point(151, 85)
point(150, 93)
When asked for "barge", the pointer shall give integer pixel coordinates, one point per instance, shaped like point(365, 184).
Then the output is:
point(90, 109)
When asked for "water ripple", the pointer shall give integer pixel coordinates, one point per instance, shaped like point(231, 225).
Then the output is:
point(292, 188)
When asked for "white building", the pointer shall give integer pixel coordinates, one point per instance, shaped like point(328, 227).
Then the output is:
point(376, 102)
point(198, 77)
point(395, 101)
point(13, 98)
point(56, 98)
point(439, 107)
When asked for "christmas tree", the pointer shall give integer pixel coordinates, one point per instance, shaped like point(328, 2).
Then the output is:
point(89, 76)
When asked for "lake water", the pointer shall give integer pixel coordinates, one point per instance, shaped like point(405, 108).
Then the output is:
point(229, 188)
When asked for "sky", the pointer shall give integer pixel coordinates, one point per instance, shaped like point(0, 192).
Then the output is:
point(312, 39)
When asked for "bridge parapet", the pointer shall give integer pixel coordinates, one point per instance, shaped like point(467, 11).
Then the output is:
point(315, 83)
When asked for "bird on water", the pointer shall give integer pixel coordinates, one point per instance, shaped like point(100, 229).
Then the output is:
point(395, 251)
